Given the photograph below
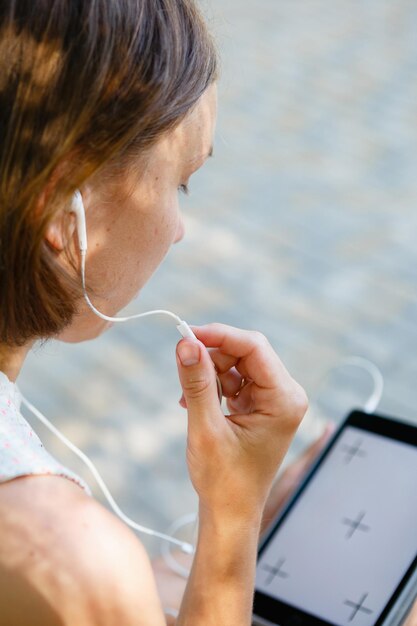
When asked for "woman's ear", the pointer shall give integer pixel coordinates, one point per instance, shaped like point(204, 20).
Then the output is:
point(60, 228)
point(60, 231)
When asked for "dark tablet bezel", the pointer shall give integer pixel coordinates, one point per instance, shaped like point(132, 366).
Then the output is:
point(284, 614)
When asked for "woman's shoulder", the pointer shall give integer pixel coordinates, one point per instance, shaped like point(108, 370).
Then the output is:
point(61, 549)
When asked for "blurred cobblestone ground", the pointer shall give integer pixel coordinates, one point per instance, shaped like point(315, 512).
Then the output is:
point(303, 226)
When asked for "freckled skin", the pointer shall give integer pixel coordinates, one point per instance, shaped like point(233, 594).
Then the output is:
point(133, 221)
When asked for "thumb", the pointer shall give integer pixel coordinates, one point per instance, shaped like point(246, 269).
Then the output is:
point(198, 379)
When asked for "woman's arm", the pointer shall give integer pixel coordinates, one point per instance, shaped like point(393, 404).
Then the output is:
point(220, 587)
point(65, 560)
point(232, 461)
point(171, 585)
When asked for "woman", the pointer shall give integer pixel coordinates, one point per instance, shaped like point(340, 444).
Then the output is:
point(118, 100)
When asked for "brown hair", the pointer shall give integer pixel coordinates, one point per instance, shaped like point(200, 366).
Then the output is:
point(81, 84)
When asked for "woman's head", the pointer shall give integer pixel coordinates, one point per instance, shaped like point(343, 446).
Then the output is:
point(110, 97)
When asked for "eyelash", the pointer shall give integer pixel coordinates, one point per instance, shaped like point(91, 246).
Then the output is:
point(184, 189)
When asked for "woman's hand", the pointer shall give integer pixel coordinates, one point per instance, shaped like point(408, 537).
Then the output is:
point(171, 585)
point(233, 459)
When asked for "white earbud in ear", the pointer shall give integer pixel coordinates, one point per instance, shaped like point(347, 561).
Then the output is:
point(78, 208)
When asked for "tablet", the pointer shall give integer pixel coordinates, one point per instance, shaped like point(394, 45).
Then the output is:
point(344, 551)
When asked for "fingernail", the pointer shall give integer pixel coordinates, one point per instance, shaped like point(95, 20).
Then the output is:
point(189, 352)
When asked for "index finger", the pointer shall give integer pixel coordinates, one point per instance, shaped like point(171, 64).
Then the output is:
point(261, 363)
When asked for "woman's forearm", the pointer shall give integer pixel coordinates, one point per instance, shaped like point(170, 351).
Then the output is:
point(221, 583)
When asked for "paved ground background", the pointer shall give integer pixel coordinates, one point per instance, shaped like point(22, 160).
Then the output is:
point(302, 226)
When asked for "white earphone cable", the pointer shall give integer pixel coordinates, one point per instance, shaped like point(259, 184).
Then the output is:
point(372, 402)
point(108, 318)
point(375, 373)
point(169, 558)
point(185, 547)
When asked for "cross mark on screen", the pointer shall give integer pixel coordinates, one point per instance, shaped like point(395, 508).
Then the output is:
point(353, 451)
point(358, 606)
point(275, 571)
point(355, 525)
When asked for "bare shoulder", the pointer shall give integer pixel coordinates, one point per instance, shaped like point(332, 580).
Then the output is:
point(65, 558)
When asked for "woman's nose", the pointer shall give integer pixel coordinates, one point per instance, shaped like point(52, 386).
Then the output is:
point(180, 230)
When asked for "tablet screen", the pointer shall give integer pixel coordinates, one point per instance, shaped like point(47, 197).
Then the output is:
point(349, 539)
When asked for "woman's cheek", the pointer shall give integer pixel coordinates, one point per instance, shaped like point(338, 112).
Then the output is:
point(153, 251)
point(165, 233)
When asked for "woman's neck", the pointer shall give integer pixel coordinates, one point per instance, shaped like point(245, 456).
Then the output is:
point(12, 359)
